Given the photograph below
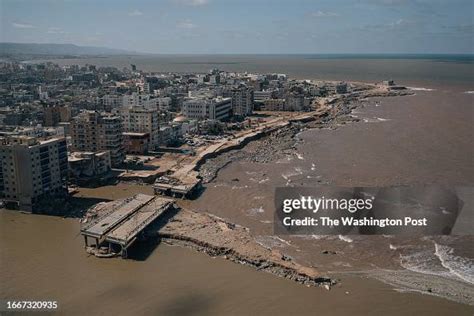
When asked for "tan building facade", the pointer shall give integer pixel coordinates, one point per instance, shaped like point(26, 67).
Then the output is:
point(92, 131)
point(32, 170)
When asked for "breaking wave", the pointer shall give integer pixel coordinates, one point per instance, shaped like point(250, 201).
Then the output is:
point(345, 238)
point(442, 262)
point(461, 267)
point(420, 89)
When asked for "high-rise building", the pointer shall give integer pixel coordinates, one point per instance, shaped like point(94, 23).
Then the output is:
point(32, 170)
point(139, 119)
point(93, 131)
point(52, 115)
point(242, 101)
point(294, 102)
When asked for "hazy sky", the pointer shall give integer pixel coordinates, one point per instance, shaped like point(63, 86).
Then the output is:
point(245, 26)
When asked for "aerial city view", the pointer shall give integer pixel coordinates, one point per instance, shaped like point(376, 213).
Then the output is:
point(209, 157)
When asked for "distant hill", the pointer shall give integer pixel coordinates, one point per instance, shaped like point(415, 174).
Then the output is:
point(58, 49)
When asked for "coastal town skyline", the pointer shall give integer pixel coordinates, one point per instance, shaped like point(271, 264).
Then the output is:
point(237, 157)
point(243, 27)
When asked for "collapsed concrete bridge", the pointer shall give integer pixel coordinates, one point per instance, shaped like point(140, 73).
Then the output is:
point(121, 222)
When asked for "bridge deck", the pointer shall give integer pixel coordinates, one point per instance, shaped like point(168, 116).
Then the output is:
point(117, 214)
point(127, 230)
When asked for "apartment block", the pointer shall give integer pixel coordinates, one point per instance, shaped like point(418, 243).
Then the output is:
point(242, 101)
point(93, 131)
point(294, 102)
point(139, 119)
point(53, 115)
point(213, 109)
point(32, 170)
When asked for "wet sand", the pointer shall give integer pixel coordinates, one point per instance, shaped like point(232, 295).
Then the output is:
point(173, 281)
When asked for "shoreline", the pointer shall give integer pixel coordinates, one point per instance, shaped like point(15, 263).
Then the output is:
point(218, 249)
point(174, 274)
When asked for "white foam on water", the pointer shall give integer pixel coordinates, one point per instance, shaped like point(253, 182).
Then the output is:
point(255, 211)
point(469, 92)
point(282, 240)
point(383, 119)
point(260, 181)
point(298, 135)
point(371, 120)
point(345, 238)
point(423, 262)
point(313, 167)
point(442, 262)
point(235, 187)
point(300, 156)
point(298, 171)
point(461, 267)
point(420, 89)
point(392, 247)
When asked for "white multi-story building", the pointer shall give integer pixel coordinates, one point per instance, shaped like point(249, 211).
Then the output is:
point(111, 101)
point(213, 109)
point(261, 96)
point(136, 99)
point(32, 170)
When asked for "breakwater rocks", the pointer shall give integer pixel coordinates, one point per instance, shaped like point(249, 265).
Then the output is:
point(269, 148)
point(219, 238)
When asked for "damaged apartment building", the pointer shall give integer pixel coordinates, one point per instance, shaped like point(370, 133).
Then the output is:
point(32, 170)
